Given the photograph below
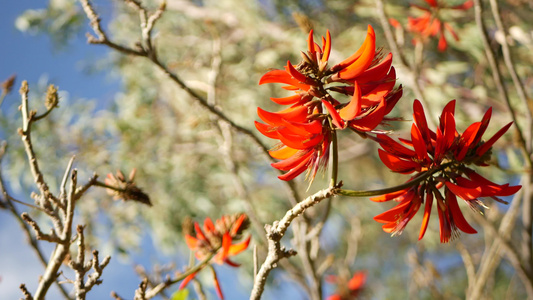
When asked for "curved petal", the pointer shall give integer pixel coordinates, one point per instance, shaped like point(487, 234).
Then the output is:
point(283, 153)
point(239, 247)
point(311, 43)
point(209, 226)
point(335, 118)
point(466, 193)
point(287, 100)
point(292, 162)
point(457, 215)
point(237, 224)
point(296, 74)
point(304, 129)
point(392, 98)
point(488, 144)
point(427, 214)
point(389, 196)
point(326, 47)
point(199, 233)
point(353, 108)
point(395, 213)
point(420, 120)
point(191, 242)
point(363, 62)
point(372, 118)
point(370, 35)
point(297, 114)
point(281, 76)
point(419, 144)
point(484, 124)
point(396, 164)
point(393, 147)
point(377, 72)
point(293, 173)
point(466, 140)
point(187, 280)
point(267, 130)
point(298, 141)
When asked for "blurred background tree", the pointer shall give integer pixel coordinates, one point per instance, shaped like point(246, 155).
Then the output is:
point(192, 164)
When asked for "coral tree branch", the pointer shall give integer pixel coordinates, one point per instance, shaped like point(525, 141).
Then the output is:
point(277, 230)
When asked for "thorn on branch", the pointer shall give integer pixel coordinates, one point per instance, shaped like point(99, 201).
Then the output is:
point(115, 296)
point(52, 237)
point(140, 293)
point(27, 294)
point(287, 253)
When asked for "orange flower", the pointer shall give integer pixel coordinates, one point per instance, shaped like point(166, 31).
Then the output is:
point(305, 128)
point(347, 289)
point(217, 238)
point(444, 156)
point(429, 24)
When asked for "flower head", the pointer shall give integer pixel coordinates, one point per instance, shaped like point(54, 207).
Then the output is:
point(442, 161)
point(125, 188)
point(347, 289)
point(217, 239)
point(304, 129)
point(429, 23)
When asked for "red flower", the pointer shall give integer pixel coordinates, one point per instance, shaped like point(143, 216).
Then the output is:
point(347, 289)
point(217, 238)
point(442, 158)
point(305, 128)
point(429, 23)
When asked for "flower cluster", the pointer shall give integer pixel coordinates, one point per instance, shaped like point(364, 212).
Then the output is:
point(347, 289)
point(429, 23)
point(216, 241)
point(441, 160)
point(305, 129)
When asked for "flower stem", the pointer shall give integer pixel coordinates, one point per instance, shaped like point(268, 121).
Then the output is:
point(335, 159)
point(194, 269)
point(414, 181)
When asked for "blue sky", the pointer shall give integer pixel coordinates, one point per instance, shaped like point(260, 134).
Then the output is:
point(32, 57)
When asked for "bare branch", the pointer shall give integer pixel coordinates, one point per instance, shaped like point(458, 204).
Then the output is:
point(27, 116)
point(140, 293)
point(27, 294)
point(277, 230)
point(519, 86)
point(51, 237)
point(101, 37)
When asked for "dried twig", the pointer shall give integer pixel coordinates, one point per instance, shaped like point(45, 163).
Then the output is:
point(81, 267)
point(59, 209)
point(277, 230)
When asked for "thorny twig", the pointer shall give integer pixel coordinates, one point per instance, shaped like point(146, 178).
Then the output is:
point(27, 231)
point(60, 210)
point(81, 267)
point(277, 230)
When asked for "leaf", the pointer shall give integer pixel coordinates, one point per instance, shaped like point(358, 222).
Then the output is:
point(180, 295)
